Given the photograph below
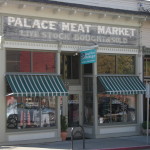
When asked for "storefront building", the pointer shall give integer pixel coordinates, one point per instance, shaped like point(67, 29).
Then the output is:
point(144, 7)
point(42, 75)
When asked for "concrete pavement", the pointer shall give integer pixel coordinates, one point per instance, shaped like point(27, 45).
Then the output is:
point(121, 143)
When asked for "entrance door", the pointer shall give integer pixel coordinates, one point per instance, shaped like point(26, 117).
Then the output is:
point(73, 110)
point(71, 107)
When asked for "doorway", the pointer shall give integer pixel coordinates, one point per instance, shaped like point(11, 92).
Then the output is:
point(73, 110)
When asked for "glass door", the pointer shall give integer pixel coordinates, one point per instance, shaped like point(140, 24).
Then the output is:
point(73, 110)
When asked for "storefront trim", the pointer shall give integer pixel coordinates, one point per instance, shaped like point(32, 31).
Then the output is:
point(30, 45)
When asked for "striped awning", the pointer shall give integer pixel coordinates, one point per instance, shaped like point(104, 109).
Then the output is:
point(36, 85)
point(122, 85)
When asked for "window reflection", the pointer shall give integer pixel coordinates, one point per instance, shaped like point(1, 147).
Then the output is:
point(116, 108)
point(115, 64)
point(73, 110)
point(106, 64)
point(88, 101)
point(125, 64)
point(30, 112)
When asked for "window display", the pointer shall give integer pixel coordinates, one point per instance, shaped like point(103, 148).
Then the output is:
point(30, 112)
point(73, 110)
point(116, 108)
point(88, 101)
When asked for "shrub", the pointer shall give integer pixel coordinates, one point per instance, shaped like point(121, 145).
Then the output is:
point(64, 125)
point(144, 125)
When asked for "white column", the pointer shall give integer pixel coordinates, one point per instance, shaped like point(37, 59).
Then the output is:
point(58, 98)
point(95, 104)
point(3, 115)
point(139, 72)
point(2, 97)
point(58, 59)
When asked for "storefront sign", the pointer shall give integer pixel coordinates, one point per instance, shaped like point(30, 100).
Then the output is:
point(18, 28)
point(88, 56)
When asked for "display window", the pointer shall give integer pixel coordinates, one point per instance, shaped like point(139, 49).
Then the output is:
point(116, 109)
point(88, 101)
point(73, 110)
point(29, 112)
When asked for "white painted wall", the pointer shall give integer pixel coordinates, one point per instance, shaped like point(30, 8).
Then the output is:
point(64, 14)
point(145, 34)
point(117, 4)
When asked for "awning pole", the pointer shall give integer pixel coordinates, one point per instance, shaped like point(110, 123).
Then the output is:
point(147, 120)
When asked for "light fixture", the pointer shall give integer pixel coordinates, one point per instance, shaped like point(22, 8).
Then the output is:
point(72, 12)
point(4, 3)
point(116, 17)
point(40, 8)
point(75, 54)
point(102, 15)
point(22, 6)
point(145, 18)
point(56, 10)
point(132, 18)
point(87, 13)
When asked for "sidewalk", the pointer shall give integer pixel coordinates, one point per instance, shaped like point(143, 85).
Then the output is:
point(121, 143)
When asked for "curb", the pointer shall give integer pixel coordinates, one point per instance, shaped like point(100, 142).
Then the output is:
point(127, 148)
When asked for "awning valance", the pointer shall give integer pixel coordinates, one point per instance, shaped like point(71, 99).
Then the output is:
point(36, 85)
point(122, 85)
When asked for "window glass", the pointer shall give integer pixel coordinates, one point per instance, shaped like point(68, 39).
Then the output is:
point(106, 64)
point(88, 101)
point(70, 66)
point(18, 61)
point(43, 62)
point(27, 61)
point(88, 68)
point(147, 66)
point(73, 110)
point(111, 64)
point(116, 109)
point(27, 112)
point(125, 64)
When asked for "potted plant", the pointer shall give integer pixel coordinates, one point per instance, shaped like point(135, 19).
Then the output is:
point(144, 127)
point(64, 127)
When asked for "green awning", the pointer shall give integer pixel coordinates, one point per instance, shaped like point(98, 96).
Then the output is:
point(36, 85)
point(122, 85)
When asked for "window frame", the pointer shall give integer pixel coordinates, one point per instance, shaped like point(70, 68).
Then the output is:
point(31, 59)
point(116, 63)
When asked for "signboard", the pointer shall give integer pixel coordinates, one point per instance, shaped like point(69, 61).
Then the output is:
point(88, 56)
point(46, 30)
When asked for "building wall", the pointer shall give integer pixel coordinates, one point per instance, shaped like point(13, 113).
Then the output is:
point(48, 11)
point(145, 30)
point(115, 4)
